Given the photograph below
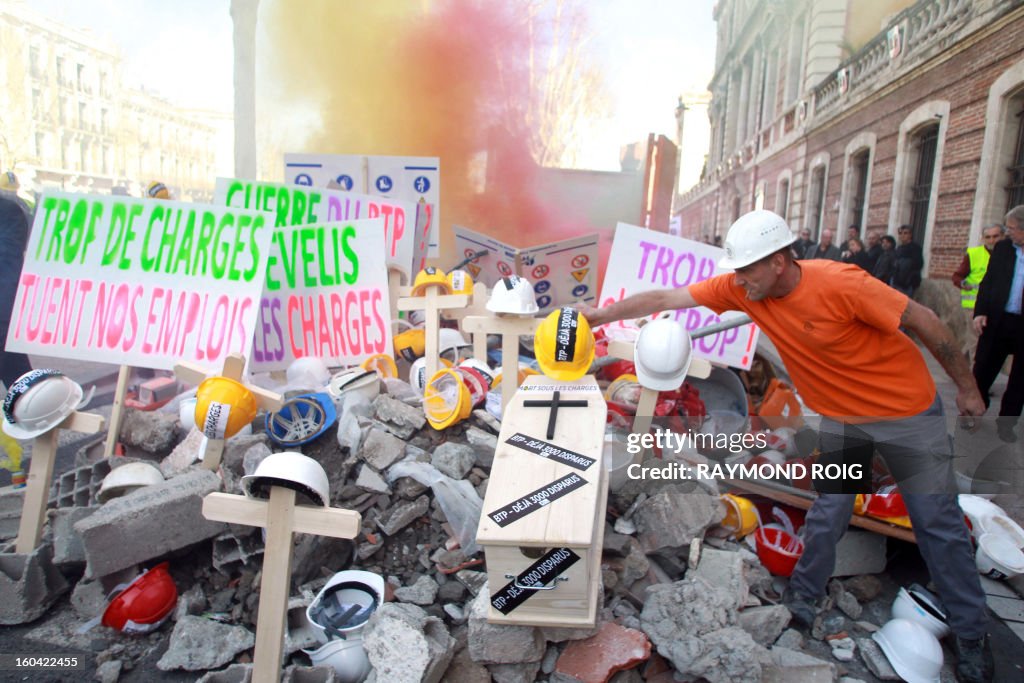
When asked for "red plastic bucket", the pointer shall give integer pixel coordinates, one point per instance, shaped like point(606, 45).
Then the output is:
point(771, 549)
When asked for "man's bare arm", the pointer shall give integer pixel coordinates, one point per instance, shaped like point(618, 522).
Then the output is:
point(639, 305)
point(940, 342)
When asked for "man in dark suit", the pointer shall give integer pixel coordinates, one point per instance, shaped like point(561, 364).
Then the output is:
point(15, 223)
point(998, 321)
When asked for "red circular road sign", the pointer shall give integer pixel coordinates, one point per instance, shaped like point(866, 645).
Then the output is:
point(580, 261)
point(504, 268)
point(540, 272)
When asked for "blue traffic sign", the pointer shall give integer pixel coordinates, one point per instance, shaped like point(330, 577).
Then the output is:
point(384, 183)
point(304, 179)
point(542, 286)
point(579, 290)
point(421, 184)
point(543, 301)
point(345, 181)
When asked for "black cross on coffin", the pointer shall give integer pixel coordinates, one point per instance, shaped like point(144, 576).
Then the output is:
point(555, 403)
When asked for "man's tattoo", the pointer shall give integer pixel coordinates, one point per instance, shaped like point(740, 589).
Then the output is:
point(946, 353)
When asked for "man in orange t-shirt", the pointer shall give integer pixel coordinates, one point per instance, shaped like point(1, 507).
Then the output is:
point(837, 330)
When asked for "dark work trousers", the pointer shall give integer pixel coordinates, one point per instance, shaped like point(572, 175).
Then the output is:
point(12, 365)
point(998, 340)
point(919, 454)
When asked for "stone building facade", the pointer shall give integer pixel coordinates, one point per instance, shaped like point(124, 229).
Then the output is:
point(836, 113)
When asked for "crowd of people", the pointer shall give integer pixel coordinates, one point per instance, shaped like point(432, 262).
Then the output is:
point(898, 265)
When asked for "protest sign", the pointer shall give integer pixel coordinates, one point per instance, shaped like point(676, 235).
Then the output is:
point(298, 205)
point(562, 273)
point(326, 295)
point(138, 281)
point(642, 260)
point(412, 179)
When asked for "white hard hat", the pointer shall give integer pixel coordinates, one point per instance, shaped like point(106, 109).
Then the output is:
point(512, 294)
point(662, 354)
point(913, 650)
point(753, 236)
point(485, 370)
point(126, 478)
point(365, 382)
point(308, 372)
point(345, 603)
point(451, 340)
point(346, 657)
point(418, 373)
point(292, 470)
point(39, 401)
point(918, 604)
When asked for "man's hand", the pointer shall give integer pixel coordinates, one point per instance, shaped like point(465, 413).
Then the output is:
point(969, 402)
point(979, 323)
point(593, 315)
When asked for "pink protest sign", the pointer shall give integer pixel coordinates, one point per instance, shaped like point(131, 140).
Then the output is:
point(139, 281)
point(301, 205)
point(326, 296)
point(642, 260)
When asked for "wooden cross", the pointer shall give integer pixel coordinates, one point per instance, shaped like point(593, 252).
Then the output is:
point(555, 403)
point(431, 303)
point(232, 369)
point(511, 328)
point(478, 307)
point(37, 487)
point(397, 278)
point(281, 517)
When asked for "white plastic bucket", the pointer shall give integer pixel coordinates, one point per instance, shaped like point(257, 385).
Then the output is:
point(997, 557)
point(617, 460)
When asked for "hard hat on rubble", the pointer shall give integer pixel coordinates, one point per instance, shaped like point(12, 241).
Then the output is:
point(460, 282)
point(740, 515)
point(482, 368)
point(753, 236)
point(291, 470)
point(301, 419)
point(512, 294)
point(365, 382)
point(308, 372)
point(410, 343)
point(347, 657)
point(920, 605)
point(342, 607)
point(418, 373)
point(9, 181)
point(38, 401)
point(450, 343)
point(913, 650)
point(625, 390)
point(446, 399)
point(157, 190)
point(127, 478)
point(144, 604)
point(564, 344)
point(382, 364)
point(662, 354)
point(223, 407)
point(430, 277)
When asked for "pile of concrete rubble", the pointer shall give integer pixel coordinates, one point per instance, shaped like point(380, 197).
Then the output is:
point(681, 600)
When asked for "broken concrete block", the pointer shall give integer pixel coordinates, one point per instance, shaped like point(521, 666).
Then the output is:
point(369, 480)
point(484, 444)
point(151, 431)
point(199, 644)
point(865, 587)
point(78, 487)
point(183, 455)
point(309, 674)
point(236, 673)
point(725, 569)
point(875, 660)
point(381, 450)
point(12, 500)
point(671, 519)
point(232, 464)
point(230, 549)
point(514, 673)
point(464, 670)
point(403, 643)
point(29, 585)
point(88, 599)
point(149, 522)
point(860, 552)
point(67, 545)
point(403, 514)
point(402, 420)
point(764, 624)
point(500, 643)
point(453, 459)
point(613, 649)
point(420, 593)
point(790, 665)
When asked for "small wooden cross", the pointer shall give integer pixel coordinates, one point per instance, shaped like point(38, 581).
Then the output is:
point(281, 517)
point(555, 403)
point(511, 328)
point(233, 366)
point(431, 303)
point(478, 307)
point(37, 487)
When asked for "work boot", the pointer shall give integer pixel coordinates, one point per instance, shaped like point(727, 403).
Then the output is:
point(974, 662)
point(802, 609)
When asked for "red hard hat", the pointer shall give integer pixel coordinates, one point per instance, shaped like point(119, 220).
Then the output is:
point(144, 604)
point(886, 505)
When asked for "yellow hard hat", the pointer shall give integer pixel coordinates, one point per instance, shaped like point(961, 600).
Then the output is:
point(158, 190)
point(446, 399)
point(460, 282)
point(740, 515)
point(624, 389)
point(382, 364)
point(9, 182)
point(410, 344)
point(564, 345)
point(223, 406)
point(430, 277)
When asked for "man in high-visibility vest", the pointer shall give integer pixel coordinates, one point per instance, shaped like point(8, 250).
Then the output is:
point(968, 276)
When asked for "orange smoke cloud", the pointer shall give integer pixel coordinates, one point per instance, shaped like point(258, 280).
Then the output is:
point(391, 77)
